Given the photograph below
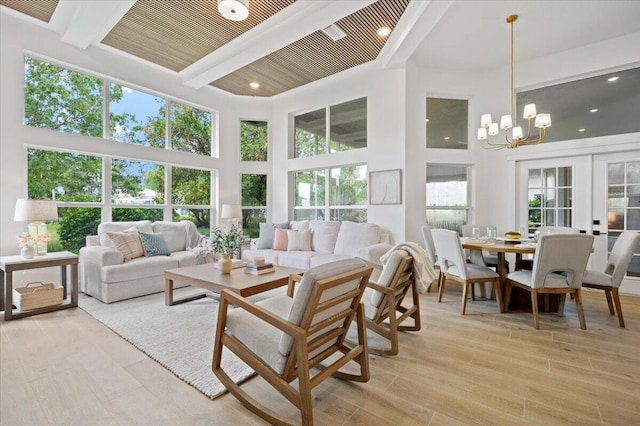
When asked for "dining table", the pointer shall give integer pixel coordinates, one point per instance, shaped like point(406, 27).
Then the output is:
point(501, 247)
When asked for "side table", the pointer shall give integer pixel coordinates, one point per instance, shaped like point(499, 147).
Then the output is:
point(10, 264)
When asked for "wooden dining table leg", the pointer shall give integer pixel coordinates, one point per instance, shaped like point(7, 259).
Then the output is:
point(502, 272)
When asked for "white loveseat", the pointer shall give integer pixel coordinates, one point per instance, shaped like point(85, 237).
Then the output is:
point(106, 276)
point(330, 241)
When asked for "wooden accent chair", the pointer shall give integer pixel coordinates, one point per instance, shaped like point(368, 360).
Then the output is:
point(610, 280)
point(453, 264)
point(384, 311)
point(556, 253)
point(430, 248)
point(283, 338)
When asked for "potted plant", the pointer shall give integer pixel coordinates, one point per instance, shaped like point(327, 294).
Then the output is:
point(227, 243)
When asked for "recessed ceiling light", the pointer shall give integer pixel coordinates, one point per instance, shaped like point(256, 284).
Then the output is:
point(612, 78)
point(593, 110)
point(447, 138)
point(581, 130)
point(427, 120)
point(384, 31)
point(254, 84)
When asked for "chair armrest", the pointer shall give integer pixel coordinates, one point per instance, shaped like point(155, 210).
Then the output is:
point(293, 279)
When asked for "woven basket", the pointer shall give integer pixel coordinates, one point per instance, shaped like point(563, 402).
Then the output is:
point(37, 295)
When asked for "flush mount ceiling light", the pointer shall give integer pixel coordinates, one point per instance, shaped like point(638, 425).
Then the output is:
point(384, 31)
point(489, 128)
point(254, 85)
point(234, 10)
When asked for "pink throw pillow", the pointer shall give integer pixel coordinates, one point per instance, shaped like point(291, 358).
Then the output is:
point(280, 239)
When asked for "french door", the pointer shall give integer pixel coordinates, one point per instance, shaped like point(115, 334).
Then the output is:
point(597, 194)
point(616, 208)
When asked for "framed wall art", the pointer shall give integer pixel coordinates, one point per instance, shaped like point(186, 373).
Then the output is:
point(385, 187)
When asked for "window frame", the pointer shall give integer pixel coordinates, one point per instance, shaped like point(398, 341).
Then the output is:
point(468, 209)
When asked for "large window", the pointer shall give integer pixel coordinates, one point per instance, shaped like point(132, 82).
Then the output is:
point(550, 195)
point(76, 182)
point(344, 125)
point(447, 196)
point(447, 123)
point(254, 140)
point(61, 99)
point(254, 203)
point(347, 189)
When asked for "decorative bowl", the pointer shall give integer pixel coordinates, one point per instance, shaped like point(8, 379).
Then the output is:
point(512, 235)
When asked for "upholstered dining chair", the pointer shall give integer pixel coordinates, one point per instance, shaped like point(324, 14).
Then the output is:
point(385, 313)
point(555, 253)
point(282, 338)
point(617, 264)
point(453, 265)
point(431, 252)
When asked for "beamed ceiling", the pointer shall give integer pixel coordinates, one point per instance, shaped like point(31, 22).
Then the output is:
point(281, 45)
point(188, 36)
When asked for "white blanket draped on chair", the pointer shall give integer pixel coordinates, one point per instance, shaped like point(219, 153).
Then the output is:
point(423, 268)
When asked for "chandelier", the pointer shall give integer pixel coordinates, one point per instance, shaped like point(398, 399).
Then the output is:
point(488, 128)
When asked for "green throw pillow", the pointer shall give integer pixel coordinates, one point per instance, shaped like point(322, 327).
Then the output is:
point(154, 244)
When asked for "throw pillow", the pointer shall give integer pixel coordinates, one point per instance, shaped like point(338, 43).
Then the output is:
point(299, 240)
point(267, 232)
point(154, 244)
point(280, 240)
point(128, 243)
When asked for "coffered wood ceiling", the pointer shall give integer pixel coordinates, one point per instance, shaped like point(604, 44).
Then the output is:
point(179, 35)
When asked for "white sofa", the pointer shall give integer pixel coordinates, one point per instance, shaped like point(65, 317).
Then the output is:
point(106, 276)
point(330, 241)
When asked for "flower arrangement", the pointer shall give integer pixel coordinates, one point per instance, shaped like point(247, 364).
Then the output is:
point(25, 239)
point(227, 242)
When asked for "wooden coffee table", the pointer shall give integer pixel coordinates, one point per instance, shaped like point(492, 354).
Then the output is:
point(208, 277)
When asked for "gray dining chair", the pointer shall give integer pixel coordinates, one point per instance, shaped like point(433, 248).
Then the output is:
point(431, 252)
point(617, 264)
point(453, 264)
point(555, 253)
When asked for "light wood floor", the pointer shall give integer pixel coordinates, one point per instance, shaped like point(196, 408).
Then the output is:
point(483, 368)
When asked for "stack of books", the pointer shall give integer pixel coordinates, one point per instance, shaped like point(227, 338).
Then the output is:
point(255, 269)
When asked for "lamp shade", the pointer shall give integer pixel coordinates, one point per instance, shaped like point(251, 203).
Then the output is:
point(35, 210)
point(231, 211)
point(234, 10)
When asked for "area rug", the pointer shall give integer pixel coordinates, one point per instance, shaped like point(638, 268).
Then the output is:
point(179, 337)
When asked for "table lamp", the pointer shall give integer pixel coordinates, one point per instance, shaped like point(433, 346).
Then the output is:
point(233, 212)
point(36, 212)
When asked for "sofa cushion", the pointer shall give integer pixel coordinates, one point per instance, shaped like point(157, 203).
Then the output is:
point(175, 234)
point(324, 235)
point(267, 232)
point(280, 239)
point(128, 243)
point(185, 258)
point(299, 224)
point(103, 228)
point(270, 256)
point(324, 258)
point(154, 244)
point(142, 267)
point(299, 240)
point(354, 236)
point(296, 259)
